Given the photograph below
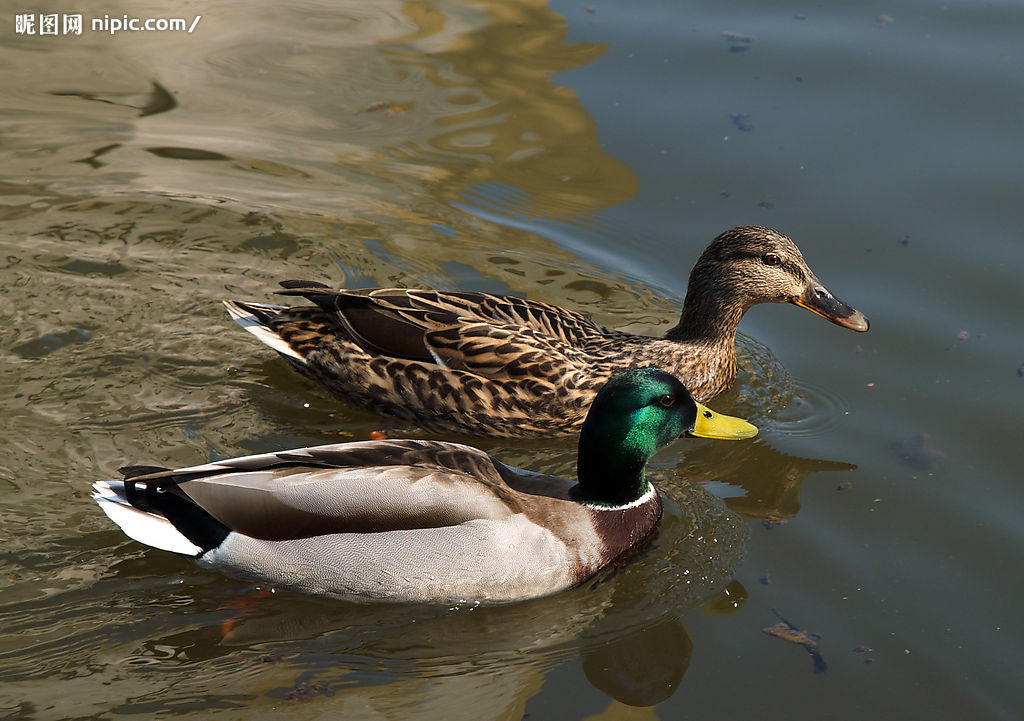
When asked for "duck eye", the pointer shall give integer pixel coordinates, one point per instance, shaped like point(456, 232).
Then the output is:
point(771, 259)
point(667, 400)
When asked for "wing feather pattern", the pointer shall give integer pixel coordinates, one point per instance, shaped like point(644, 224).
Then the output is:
point(478, 332)
point(364, 487)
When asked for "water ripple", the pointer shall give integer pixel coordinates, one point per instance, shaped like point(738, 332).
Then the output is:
point(766, 394)
point(812, 411)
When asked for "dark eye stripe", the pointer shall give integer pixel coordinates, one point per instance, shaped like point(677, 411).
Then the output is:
point(790, 267)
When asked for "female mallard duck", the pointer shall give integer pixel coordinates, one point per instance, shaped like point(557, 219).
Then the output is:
point(404, 520)
point(503, 366)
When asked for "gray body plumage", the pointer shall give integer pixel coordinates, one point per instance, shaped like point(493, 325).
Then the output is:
point(383, 521)
point(426, 564)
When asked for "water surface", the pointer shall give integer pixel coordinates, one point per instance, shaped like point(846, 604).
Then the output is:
point(578, 155)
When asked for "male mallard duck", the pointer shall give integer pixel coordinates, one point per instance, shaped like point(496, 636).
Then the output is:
point(404, 520)
point(503, 366)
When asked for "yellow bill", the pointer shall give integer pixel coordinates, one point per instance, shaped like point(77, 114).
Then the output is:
point(710, 424)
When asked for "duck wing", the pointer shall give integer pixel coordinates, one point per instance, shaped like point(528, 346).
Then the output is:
point(477, 332)
point(361, 487)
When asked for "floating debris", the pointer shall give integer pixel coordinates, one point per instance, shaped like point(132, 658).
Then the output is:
point(766, 204)
point(738, 43)
point(742, 121)
point(788, 632)
point(737, 38)
point(391, 110)
point(844, 486)
point(865, 650)
point(905, 240)
point(374, 107)
point(884, 21)
point(963, 335)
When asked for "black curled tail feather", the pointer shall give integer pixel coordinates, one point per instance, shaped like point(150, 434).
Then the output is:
point(163, 499)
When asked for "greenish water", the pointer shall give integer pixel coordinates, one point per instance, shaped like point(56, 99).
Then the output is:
point(577, 154)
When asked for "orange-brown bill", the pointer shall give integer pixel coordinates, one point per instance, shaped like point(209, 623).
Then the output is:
point(818, 300)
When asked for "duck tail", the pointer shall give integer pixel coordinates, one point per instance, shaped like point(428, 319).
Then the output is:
point(149, 527)
point(257, 319)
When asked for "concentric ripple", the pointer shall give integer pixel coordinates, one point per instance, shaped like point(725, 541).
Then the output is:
point(811, 411)
point(772, 399)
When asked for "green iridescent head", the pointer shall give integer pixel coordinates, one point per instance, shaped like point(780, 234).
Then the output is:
point(635, 414)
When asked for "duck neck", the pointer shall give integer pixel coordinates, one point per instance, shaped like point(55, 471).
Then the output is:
point(610, 470)
point(710, 317)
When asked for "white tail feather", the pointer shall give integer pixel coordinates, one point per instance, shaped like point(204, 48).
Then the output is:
point(255, 326)
point(147, 528)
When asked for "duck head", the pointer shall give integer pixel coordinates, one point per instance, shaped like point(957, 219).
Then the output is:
point(634, 415)
point(748, 265)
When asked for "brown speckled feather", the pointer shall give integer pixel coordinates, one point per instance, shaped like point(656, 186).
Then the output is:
point(504, 366)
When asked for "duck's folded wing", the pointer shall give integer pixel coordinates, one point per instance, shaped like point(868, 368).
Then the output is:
point(347, 488)
point(505, 352)
point(458, 330)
